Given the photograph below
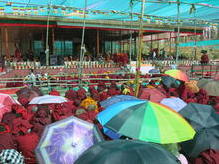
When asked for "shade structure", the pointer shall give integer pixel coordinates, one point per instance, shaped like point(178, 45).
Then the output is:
point(206, 123)
point(192, 86)
point(118, 10)
point(126, 152)
point(174, 103)
point(111, 134)
point(200, 43)
point(202, 82)
point(147, 121)
point(6, 100)
point(4, 109)
point(199, 115)
point(170, 82)
point(115, 99)
point(152, 94)
point(154, 71)
point(177, 74)
point(211, 86)
point(206, 138)
point(64, 141)
point(48, 99)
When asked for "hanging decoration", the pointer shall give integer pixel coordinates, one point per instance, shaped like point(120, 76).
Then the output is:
point(78, 12)
point(210, 32)
point(2, 10)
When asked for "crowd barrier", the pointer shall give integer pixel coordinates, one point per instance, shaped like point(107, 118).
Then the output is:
point(70, 64)
point(64, 82)
point(96, 64)
point(204, 71)
point(173, 62)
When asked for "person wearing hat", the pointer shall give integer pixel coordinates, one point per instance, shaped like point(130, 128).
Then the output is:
point(204, 57)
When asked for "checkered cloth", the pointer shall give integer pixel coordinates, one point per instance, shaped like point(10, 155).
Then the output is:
point(11, 156)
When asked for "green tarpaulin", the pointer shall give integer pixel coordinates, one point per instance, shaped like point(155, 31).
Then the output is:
point(200, 43)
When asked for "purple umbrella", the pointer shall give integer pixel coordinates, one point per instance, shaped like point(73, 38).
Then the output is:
point(64, 141)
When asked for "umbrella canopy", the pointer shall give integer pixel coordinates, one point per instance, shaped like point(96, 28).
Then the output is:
point(127, 152)
point(199, 115)
point(206, 138)
point(64, 141)
point(177, 74)
point(11, 156)
point(154, 71)
point(4, 109)
point(202, 82)
point(170, 82)
point(115, 99)
point(6, 100)
point(147, 121)
point(48, 99)
point(174, 103)
point(206, 123)
point(152, 94)
point(211, 86)
point(110, 133)
point(192, 86)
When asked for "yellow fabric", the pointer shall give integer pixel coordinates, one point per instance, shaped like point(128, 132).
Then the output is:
point(131, 82)
point(192, 86)
point(126, 91)
point(88, 101)
point(150, 86)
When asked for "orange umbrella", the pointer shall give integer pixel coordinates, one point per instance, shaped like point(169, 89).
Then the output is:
point(192, 86)
point(177, 74)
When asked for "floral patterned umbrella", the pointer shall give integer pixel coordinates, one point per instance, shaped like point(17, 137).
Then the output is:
point(64, 141)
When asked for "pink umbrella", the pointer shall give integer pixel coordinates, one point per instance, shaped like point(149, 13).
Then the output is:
point(152, 94)
point(6, 100)
point(4, 109)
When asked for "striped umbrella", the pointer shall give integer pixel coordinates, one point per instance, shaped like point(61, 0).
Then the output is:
point(147, 121)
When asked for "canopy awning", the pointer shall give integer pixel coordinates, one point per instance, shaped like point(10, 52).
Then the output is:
point(156, 11)
point(200, 43)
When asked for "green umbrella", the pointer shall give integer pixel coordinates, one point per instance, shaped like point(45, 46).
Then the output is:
point(211, 86)
point(147, 121)
point(206, 138)
point(199, 115)
point(202, 82)
point(126, 152)
point(206, 123)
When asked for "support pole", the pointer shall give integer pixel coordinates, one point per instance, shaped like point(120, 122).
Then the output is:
point(82, 52)
point(98, 42)
point(195, 49)
point(178, 32)
point(130, 33)
point(53, 40)
point(47, 35)
point(170, 42)
point(7, 54)
point(2, 40)
point(140, 37)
